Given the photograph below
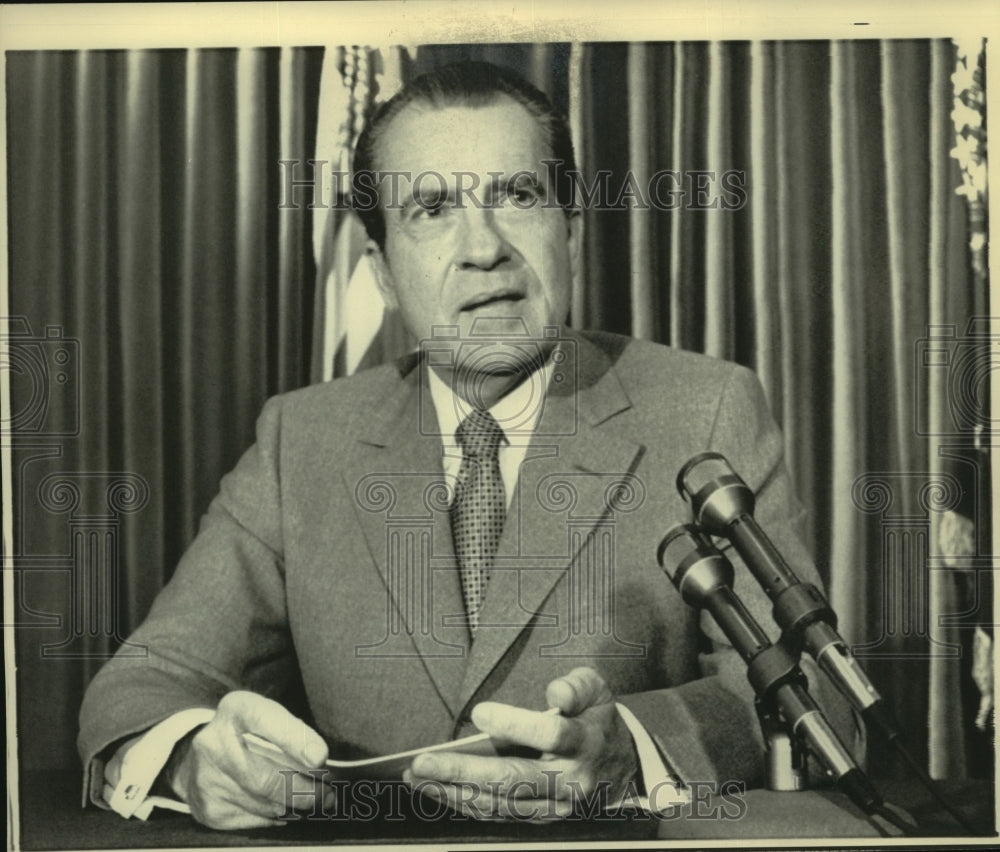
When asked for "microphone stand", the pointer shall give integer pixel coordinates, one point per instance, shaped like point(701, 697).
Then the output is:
point(787, 769)
point(704, 577)
point(723, 505)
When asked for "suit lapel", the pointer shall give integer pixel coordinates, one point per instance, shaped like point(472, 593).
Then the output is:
point(401, 506)
point(563, 491)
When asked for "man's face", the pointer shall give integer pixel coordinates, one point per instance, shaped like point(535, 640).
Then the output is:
point(471, 242)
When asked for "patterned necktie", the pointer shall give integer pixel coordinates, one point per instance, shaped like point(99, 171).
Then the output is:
point(479, 508)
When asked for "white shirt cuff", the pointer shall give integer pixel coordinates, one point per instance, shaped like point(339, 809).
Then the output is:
point(144, 761)
point(664, 791)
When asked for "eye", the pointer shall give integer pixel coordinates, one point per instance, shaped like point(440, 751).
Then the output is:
point(435, 206)
point(523, 193)
point(429, 210)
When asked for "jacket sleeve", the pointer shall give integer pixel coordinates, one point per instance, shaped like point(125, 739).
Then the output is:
point(220, 623)
point(707, 729)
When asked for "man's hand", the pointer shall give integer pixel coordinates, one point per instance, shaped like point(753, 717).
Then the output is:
point(227, 786)
point(584, 748)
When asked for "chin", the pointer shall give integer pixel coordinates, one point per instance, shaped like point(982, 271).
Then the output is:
point(500, 358)
point(482, 388)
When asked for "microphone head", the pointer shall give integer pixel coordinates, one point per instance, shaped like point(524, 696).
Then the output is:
point(677, 545)
point(693, 564)
point(716, 493)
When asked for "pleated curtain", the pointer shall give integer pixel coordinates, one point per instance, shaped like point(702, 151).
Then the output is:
point(144, 191)
point(147, 222)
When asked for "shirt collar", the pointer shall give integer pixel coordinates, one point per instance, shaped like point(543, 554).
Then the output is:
point(517, 412)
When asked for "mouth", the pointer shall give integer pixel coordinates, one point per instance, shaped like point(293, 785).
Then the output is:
point(497, 297)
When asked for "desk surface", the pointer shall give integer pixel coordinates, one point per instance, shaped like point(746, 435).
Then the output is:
point(51, 818)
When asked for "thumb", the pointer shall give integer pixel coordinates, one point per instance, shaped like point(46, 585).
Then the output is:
point(575, 692)
point(253, 713)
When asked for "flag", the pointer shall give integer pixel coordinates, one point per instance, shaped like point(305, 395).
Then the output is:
point(353, 329)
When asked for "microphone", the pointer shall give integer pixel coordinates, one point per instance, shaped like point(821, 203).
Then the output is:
point(723, 505)
point(704, 578)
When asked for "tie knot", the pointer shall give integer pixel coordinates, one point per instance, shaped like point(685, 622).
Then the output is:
point(479, 434)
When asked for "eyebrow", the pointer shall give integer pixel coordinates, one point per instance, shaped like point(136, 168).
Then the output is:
point(431, 193)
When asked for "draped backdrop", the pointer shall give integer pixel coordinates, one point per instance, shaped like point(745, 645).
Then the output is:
point(168, 274)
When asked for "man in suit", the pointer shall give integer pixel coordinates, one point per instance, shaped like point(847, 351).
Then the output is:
point(463, 539)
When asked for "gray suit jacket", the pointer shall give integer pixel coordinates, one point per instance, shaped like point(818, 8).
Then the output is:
point(323, 574)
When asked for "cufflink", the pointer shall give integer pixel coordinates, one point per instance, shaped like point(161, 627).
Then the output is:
point(127, 798)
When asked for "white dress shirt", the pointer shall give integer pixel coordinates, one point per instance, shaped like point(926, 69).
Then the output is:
point(517, 414)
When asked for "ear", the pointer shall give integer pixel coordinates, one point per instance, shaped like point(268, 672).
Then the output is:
point(383, 277)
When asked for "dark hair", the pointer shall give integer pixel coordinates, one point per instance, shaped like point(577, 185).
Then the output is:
point(474, 84)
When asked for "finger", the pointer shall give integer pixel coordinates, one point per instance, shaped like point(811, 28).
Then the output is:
point(484, 778)
point(285, 791)
point(453, 796)
point(274, 791)
point(517, 804)
point(547, 732)
point(237, 820)
point(228, 815)
point(250, 712)
point(453, 767)
point(265, 786)
point(575, 692)
point(218, 802)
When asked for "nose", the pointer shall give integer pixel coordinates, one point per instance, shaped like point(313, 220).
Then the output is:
point(481, 245)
